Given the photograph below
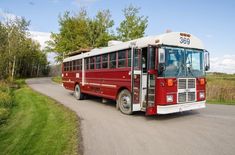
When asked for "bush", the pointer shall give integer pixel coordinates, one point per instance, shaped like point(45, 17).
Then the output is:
point(4, 113)
point(4, 87)
point(5, 100)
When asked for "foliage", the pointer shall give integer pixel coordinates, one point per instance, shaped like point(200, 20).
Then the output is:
point(79, 31)
point(38, 125)
point(221, 88)
point(6, 101)
point(20, 56)
point(133, 26)
point(4, 114)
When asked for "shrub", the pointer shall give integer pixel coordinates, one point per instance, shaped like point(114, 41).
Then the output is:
point(5, 100)
point(4, 87)
point(4, 113)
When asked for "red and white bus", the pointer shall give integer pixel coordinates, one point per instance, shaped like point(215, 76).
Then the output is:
point(157, 74)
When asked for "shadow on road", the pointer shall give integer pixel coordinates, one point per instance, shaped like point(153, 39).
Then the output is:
point(111, 103)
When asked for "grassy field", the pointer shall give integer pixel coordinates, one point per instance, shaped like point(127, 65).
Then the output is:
point(57, 79)
point(38, 125)
point(221, 88)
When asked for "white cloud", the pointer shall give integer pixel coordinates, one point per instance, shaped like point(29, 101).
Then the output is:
point(41, 37)
point(224, 64)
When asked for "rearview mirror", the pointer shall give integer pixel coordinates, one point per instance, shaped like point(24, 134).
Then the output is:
point(161, 55)
point(207, 60)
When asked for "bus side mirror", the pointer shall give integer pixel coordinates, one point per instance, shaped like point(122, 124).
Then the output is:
point(161, 56)
point(161, 60)
point(207, 61)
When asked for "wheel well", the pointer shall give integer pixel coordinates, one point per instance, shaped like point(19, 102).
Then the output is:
point(120, 89)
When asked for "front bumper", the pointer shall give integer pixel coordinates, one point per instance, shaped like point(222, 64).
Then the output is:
point(180, 107)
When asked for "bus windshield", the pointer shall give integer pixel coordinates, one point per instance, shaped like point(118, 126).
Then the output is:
point(181, 62)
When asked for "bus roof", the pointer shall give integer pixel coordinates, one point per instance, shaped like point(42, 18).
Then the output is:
point(179, 39)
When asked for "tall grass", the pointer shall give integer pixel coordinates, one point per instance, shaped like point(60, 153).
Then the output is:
point(221, 89)
point(6, 101)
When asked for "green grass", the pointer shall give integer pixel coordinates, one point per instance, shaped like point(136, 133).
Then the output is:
point(57, 79)
point(38, 125)
point(221, 89)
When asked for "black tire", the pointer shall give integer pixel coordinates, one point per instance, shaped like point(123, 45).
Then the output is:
point(124, 102)
point(77, 93)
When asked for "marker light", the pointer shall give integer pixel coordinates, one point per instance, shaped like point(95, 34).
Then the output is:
point(170, 82)
point(202, 81)
point(169, 98)
point(202, 95)
point(185, 35)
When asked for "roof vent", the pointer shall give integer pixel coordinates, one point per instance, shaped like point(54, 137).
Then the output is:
point(114, 42)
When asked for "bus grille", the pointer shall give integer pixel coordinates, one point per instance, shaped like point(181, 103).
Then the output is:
point(182, 97)
point(186, 90)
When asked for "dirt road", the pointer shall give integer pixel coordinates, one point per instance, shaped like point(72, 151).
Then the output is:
point(106, 131)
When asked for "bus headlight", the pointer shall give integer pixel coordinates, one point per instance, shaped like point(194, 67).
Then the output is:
point(202, 95)
point(169, 98)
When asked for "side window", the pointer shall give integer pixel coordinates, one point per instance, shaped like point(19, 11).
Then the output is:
point(74, 65)
point(112, 60)
point(92, 62)
point(121, 59)
point(70, 66)
point(86, 64)
point(105, 61)
point(97, 66)
point(129, 57)
point(80, 64)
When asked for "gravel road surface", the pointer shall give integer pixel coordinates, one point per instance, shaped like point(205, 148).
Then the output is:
point(106, 131)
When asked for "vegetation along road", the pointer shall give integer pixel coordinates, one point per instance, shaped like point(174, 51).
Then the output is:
point(106, 131)
point(39, 125)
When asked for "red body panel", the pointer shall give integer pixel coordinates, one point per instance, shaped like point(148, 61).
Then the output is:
point(105, 83)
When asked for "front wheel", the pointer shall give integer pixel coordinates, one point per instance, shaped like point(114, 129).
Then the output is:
point(77, 93)
point(124, 102)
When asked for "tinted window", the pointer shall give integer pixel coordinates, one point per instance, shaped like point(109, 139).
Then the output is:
point(86, 64)
point(105, 61)
point(122, 59)
point(74, 65)
point(112, 60)
point(92, 62)
point(98, 59)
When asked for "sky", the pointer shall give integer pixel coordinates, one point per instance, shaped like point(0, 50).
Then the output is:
point(211, 21)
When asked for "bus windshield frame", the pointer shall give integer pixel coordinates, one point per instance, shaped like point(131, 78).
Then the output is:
point(183, 62)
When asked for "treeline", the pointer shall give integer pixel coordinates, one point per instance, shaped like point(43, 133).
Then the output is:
point(79, 31)
point(20, 56)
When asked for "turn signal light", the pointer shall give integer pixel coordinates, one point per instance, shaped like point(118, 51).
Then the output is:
point(170, 82)
point(202, 81)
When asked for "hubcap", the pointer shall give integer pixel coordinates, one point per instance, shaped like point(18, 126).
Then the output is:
point(126, 102)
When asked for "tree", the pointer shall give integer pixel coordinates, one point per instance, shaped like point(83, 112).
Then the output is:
point(79, 31)
point(99, 29)
point(133, 26)
point(20, 56)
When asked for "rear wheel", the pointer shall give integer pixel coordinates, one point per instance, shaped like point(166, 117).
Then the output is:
point(77, 93)
point(124, 102)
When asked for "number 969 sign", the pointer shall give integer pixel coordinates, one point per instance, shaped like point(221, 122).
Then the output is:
point(184, 40)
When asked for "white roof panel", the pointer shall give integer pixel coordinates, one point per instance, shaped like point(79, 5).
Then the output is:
point(171, 39)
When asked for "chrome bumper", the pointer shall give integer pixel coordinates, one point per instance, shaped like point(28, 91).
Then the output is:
point(180, 107)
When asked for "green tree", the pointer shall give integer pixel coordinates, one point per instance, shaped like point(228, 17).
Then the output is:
point(20, 56)
point(100, 29)
point(80, 31)
point(133, 26)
